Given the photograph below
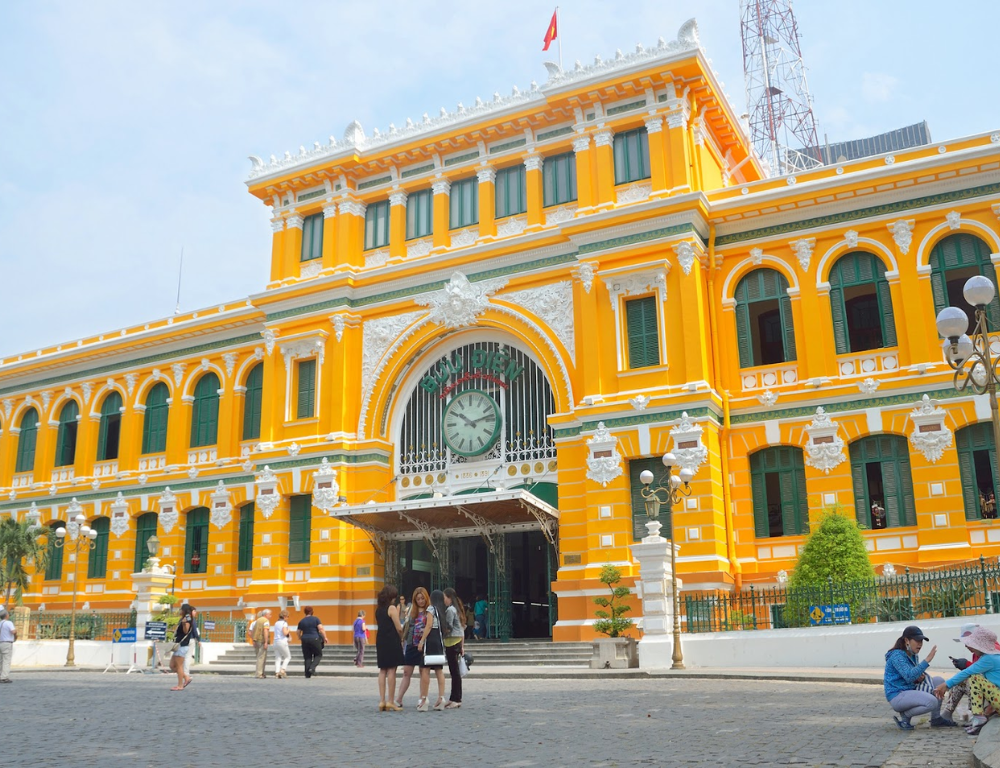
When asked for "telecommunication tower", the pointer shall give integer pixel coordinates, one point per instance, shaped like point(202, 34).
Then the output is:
point(782, 124)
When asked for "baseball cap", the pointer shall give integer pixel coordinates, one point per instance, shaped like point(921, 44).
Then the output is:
point(914, 633)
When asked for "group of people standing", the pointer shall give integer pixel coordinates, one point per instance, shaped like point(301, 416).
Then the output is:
point(426, 636)
point(312, 636)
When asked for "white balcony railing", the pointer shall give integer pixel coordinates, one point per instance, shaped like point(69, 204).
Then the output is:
point(769, 377)
point(105, 469)
point(62, 474)
point(868, 363)
point(152, 462)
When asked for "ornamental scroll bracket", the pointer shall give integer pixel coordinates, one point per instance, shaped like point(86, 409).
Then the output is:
point(483, 527)
point(546, 523)
point(824, 449)
point(326, 489)
point(689, 449)
point(374, 535)
point(222, 507)
point(425, 531)
point(267, 498)
point(168, 510)
point(930, 435)
point(604, 463)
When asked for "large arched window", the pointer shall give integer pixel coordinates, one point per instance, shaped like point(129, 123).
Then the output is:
point(883, 485)
point(954, 260)
point(861, 304)
point(205, 413)
point(196, 542)
point(54, 559)
point(26, 441)
point(765, 332)
point(977, 461)
point(245, 549)
point(154, 423)
point(252, 402)
point(778, 484)
point(109, 434)
point(66, 436)
point(97, 567)
point(145, 527)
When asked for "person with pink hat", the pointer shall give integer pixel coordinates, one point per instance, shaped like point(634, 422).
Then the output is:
point(983, 676)
point(955, 694)
point(908, 683)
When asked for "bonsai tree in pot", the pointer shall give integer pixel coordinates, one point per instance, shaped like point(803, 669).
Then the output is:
point(619, 650)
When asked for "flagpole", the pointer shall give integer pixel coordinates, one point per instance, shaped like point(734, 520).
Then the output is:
point(559, 37)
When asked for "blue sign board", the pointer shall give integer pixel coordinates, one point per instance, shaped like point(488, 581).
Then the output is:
point(838, 613)
point(125, 635)
point(156, 630)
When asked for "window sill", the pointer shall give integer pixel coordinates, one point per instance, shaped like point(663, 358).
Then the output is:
point(641, 371)
point(299, 422)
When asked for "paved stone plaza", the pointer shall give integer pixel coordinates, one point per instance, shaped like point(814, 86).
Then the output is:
point(89, 719)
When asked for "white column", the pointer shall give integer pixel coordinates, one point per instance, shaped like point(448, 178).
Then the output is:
point(655, 589)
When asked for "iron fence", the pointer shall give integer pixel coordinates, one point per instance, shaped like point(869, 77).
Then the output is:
point(90, 625)
point(970, 589)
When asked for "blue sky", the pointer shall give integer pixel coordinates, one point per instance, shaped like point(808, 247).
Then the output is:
point(126, 125)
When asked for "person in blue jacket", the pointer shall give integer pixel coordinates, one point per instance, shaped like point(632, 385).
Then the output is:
point(983, 677)
point(907, 683)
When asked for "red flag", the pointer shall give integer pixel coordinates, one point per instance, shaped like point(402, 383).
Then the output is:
point(551, 33)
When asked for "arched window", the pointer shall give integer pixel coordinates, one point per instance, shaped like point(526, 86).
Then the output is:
point(111, 427)
point(861, 304)
point(252, 402)
point(883, 485)
point(778, 484)
point(977, 461)
point(26, 441)
point(196, 543)
point(245, 557)
point(54, 560)
point(154, 423)
point(66, 436)
point(145, 527)
point(954, 260)
point(765, 332)
point(97, 568)
point(205, 413)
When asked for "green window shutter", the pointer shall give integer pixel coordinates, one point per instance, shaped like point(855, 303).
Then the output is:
point(837, 312)
point(787, 326)
point(885, 308)
point(54, 561)
point(299, 529)
point(377, 225)
point(196, 540)
point(639, 519)
point(891, 485)
point(510, 191)
point(559, 179)
point(419, 214)
point(938, 288)
point(744, 341)
point(642, 332)
point(464, 203)
point(621, 167)
point(26, 441)
point(967, 472)
point(312, 237)
point(631, 153)
point(97, 566)
point(154, 424)
point(307, 390)
point(245, 557)
point(205, 412)
point(145, 527)
point(862, 509)
point(109, 429)
point(66, 436)
point(253, 401)
point(909, 515)
point(758, 493)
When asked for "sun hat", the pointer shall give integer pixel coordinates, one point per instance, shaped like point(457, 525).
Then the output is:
point(914, 633)
point(982, 640)
point(967, 629)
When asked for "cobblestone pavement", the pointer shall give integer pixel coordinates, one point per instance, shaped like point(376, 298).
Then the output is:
point(87, 719)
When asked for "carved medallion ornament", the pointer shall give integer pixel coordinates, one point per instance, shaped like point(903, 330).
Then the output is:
point(756, 256)
point(326, 489)
point(691, 453)
point(636, 284)
point(460, 303)
point(930, 436)
point(685, 256)
point(268, 498)
point(902, 234)
point(803, 250)
point(604, 463)
point(553, 304)
point(168, 510)
point(851, 238)
point(824, 449)
point(584, 272)
point(222, 507)
point(954, 219)
point(119, 515)
point(768, 398)
point(464, 238)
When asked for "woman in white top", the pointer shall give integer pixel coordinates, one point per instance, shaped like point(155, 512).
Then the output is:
point(282, 654)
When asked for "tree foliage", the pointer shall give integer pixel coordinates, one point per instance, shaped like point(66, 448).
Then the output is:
point(612, 622)
point(22, 550)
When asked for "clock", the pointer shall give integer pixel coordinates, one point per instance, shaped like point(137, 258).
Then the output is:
point(471, 423)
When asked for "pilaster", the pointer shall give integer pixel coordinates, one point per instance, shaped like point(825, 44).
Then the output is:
point(604, 160)
point(586, 192)
point(677, 162)
point(695, 323)
point(487, 201)
point(397, 224)
point(330, 226)
point(588, 326)
point(657, 153)
point(277, 249)
point(293, 245)
point(350, 231)
point(534, 188)
point(441, 212)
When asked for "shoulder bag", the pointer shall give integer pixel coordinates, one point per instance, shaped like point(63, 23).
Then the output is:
point(434, 649)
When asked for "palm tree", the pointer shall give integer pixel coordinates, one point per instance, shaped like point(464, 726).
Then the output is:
point(22, 544)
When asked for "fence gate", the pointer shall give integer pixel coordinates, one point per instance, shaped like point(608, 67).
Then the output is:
point(498, 589)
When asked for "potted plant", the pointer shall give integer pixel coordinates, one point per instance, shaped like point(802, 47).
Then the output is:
point(618, 650)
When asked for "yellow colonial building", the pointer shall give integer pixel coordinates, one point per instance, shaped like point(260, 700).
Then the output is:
point(482, 326)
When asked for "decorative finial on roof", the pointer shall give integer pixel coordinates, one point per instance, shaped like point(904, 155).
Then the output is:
point(354, 135)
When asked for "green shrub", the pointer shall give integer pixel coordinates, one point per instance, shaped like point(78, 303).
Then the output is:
point(612, 622)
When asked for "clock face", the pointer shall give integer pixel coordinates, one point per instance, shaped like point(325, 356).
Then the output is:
point(471, 423)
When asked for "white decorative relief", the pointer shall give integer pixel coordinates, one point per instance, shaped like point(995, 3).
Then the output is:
point(293, 449)
point(654, 124)
point(349, 207)
point(604, 138)
point(851, 238)
point(756, 256)
point(267, 498)
point(168, 510)
point(581, 143)
point(193, 472)
point(954, 219)
point(377, 258)
point(486, 174)
point(768, 398)
point(46, 399)
point(377, 335)
point(868, 386)
point(270, 338)
point(902, 234)
point(639, 402)
point(277, 225)
point(397, 198)
point(119, 516)
point(338, 323)
point(222, 508)
point(930, 435)
point(825, 448)
point(560, 215)
point(533, 162)
point(441, 187)
point(635, 284)
point(131, 379)
point(511, 226)
point(294, 349)
point(685, 256)
point(419, 248)
point(634, 193)
point(326, 489)
point(460, 302)
point(803, 250)
point(310, 269)
point(553, 304)
point(691, 453)
point(584, 272)
point(87, 388)
point(203, 456)
point(8, 406)
point(464, 238)
point(178, 370)
point(229, 359)
point(604, 463)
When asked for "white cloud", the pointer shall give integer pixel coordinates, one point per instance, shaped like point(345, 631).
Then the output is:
point(878, 87)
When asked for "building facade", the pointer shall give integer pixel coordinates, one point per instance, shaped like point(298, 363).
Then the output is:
point(481, 327)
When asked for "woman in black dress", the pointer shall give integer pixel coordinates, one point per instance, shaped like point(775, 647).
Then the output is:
point(388, 651)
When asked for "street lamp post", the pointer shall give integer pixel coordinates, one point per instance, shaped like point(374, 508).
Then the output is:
point(677, 487)
point(974, 363)
point(82, 538)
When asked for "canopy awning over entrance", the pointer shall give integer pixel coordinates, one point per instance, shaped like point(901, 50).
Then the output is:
point(474, 514)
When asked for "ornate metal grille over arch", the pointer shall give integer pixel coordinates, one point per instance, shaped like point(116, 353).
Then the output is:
point(508, 375)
